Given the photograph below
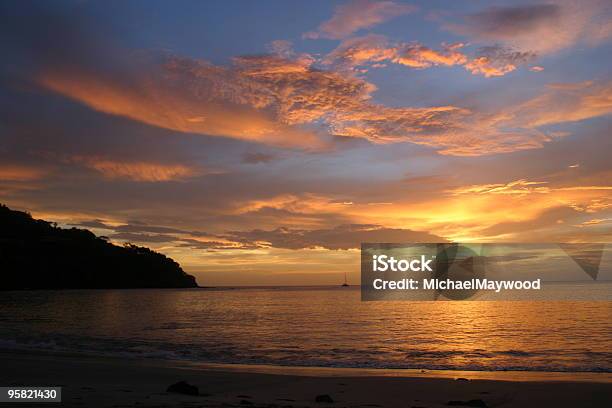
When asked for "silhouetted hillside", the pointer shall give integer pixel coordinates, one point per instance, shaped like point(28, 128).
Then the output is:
point(34, 254)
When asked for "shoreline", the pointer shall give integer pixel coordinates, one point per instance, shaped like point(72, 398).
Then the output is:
point(322, 371)
point(501, 375)
point(90, 381)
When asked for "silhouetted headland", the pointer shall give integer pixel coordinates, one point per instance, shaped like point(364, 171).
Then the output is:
point(36, 254)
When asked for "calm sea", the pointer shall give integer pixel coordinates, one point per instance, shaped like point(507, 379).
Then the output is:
point(311, 327)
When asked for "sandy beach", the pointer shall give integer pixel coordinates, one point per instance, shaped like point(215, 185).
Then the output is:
point(112, 382)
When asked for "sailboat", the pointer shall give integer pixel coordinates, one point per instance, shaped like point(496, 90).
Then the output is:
point(345, 284)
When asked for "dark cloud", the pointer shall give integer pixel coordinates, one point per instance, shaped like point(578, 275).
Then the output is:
point(287, 216)
point(505, 55)
point(136, 227)
point(257, 157)
point(135, 237)
point(93, 224)
point(503, 22)
point(341, 237)
point(214, 245)
point(542, 28)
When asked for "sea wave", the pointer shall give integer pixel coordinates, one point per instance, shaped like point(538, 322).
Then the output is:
point(472, 360)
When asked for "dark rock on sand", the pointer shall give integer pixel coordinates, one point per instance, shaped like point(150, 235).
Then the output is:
point(324, 398)
point(183, 387)
point(477, 403)
point(461, 379)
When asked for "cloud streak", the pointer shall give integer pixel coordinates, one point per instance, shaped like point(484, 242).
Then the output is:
point(562, 103)
point(17, 173)
point(341, 237)
point(356, 15)
point(137, 170)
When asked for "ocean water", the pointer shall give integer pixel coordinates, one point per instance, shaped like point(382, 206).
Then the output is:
point(328, 327)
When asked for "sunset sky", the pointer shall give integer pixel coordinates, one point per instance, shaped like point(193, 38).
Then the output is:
point(262, 142)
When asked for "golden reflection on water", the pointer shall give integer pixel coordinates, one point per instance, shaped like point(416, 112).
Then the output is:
point(322, 327)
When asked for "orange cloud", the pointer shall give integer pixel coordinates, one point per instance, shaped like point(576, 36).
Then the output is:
point(517, 127)
point(356, 15)
point(595, 221)
point(419, 56)
point(305, 203)
point(514, 187)
point(375, 51)
point(359, 51)
point(137, 170)
point(549, 209)
point(11, 172)
point(488, 67)
point(299, 96)
point(182, 96)
point(257, 97)
point(288, 102)
point(596, 205)
point(544, 206)
point(523, 187)
point(565, 103)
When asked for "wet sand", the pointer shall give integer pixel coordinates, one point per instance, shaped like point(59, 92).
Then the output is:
point(113, 382)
